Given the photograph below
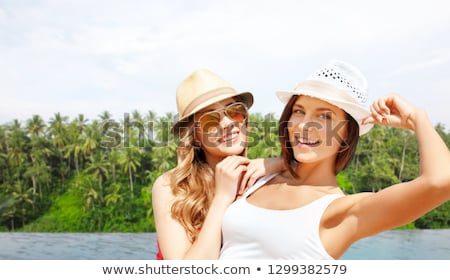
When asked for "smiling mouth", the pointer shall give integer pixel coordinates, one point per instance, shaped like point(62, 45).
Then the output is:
point(307, 142)
point(229, 137)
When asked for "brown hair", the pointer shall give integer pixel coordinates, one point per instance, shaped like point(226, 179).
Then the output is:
point(345, 153)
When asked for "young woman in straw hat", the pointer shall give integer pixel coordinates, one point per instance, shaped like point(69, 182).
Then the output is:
point(302, 213)
point(212, 170)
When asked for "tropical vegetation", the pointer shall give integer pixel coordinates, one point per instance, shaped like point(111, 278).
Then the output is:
point(80, 175)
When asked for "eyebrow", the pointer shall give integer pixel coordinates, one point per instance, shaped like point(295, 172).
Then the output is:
point(317, 109)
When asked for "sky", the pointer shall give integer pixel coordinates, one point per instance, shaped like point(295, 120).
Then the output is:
point(90, 56)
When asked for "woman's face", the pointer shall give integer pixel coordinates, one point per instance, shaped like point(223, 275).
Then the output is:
point(316, 129)
point(221, 128)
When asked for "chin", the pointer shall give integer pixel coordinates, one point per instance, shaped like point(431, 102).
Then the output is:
point(305, 157)
point(234, 150)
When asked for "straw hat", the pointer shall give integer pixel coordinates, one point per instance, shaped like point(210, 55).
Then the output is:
point(201, 89)
point(339, 84)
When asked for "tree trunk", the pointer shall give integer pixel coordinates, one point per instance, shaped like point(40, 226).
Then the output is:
point(130, 175)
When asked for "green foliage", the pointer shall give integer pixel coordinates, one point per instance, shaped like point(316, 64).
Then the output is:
point(435, 219)
point(344, 183)
point(96, 176)
point(65, 215)
point(408, 226)
point(263, 137)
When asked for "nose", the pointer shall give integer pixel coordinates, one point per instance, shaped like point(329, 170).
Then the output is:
point(308, 124)
point(225, 121)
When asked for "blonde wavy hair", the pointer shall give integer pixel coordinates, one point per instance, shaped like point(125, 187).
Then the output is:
point(192, 182)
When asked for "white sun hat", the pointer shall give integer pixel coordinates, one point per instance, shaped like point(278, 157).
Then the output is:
point(339, 84)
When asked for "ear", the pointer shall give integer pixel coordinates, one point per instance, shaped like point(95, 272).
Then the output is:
point(344, 146)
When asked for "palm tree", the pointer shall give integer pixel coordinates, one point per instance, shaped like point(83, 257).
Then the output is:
point(134, 130)
point(80, 123)
point(130, 160)
point(105, 116)
point(39, 150)
point(18, 144)
point(114, 158)
point(57, 132)
point(98, 166)
point(36, 126)
point(87, 185)
point(164, 157)
point(151, 119)
point(91, 197)
point(22, 198)
point(76, 138)
point(114, 197)
point(39, 172)
point(164, 129)
point(73, 150)
point(3, 154)
point(92, 138)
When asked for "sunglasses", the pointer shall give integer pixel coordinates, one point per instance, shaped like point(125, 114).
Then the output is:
point(210, 121)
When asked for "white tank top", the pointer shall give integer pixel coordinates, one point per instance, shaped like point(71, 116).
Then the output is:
point(252, 232)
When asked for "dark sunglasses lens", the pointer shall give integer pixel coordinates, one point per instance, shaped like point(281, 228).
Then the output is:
point(237, 112)
point(209, 122)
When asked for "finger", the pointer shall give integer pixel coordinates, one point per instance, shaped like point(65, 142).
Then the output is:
point(240, 171)
point(258, 173)
point(253, 178)
point(231, 162)
point(244, 182)
point(375, 110)
point(251, 181)
point(369, 120)
point(383, 109)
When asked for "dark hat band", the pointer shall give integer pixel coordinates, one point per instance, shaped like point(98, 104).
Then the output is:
point(206, 96)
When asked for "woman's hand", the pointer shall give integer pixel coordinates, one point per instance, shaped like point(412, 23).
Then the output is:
point(228, 176)
point(257, 168)
point(393, 111)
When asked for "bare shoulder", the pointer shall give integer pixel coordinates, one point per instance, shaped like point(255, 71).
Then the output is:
point(161, 186)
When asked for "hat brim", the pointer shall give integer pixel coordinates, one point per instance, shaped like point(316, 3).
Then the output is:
point(246, 97)
point(356, 111)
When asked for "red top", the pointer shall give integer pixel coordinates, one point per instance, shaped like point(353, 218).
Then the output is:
point(159, 255)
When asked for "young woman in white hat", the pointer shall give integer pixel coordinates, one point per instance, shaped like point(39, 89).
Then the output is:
point(212, 170)
point(302, 213)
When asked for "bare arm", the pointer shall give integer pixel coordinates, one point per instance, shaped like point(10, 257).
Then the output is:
point(403, 203)
point(356, 216)
point(172, 237)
